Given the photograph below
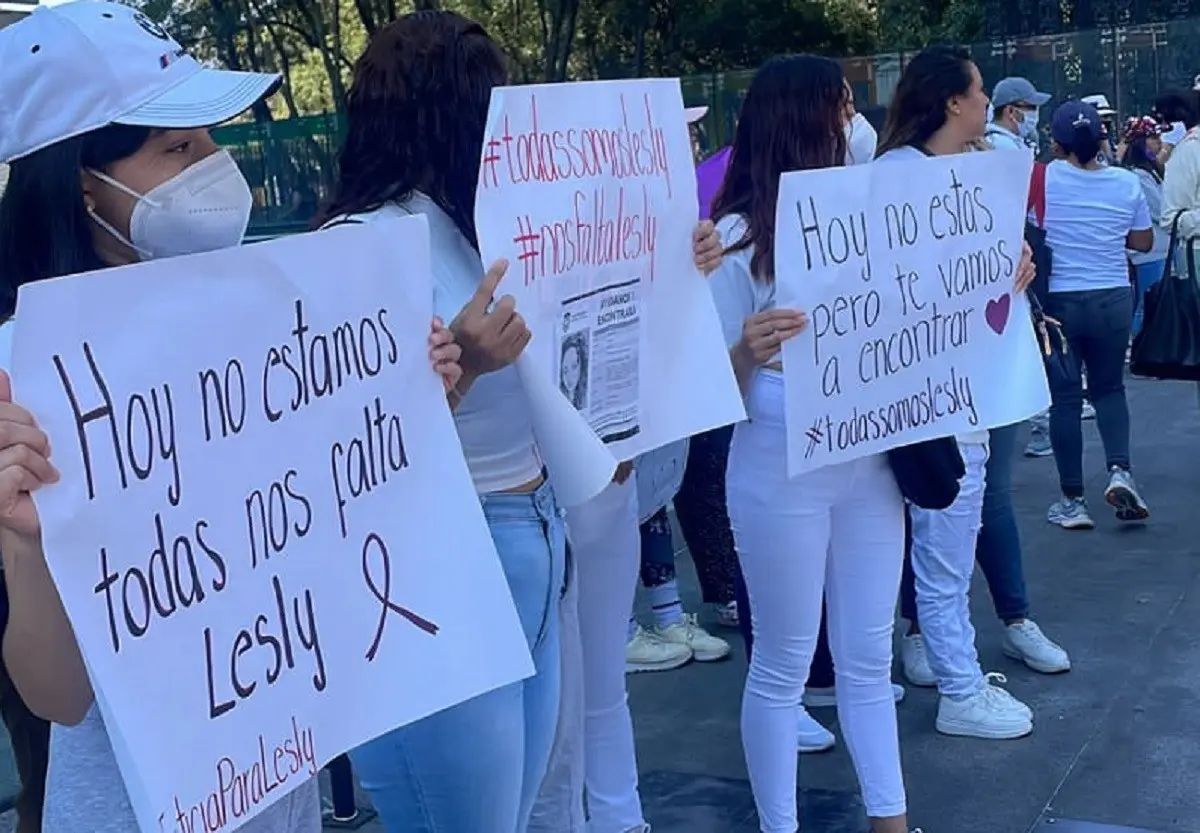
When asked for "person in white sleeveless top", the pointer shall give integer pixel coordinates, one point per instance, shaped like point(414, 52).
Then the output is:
point(417, 108)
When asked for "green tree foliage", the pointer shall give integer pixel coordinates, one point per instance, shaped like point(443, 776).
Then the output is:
point(314, 43)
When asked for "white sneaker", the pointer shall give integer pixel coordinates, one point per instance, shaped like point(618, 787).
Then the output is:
point(915, 662)
point(1025, 642)
point(647, 652)
point(990, 713)
point(704, 646)
point(811, 736)
point(826, 698)
point(1088, 411)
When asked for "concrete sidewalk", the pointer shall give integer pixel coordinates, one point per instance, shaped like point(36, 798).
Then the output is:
point(1116, 745)
point(1116, 741)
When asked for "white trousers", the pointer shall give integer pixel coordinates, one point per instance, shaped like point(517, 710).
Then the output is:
point(559, 807)
point(943, 561)
point(606, 550)
point(836, 533)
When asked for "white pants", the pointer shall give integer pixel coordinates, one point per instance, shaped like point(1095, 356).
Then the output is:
point(559, 807)
point(606, 550)
point(943, 561)
point(836, 533)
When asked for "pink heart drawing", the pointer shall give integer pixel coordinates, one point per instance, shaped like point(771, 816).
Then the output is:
point(996, 313)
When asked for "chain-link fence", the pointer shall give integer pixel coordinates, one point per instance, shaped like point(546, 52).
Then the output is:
point(291, 164)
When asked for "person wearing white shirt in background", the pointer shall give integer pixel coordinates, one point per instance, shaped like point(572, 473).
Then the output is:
point(1094, 213)
point(1181, 183)
point(1178, 109)
point(1016, 107)
point(104, 126)
point(940, 109)
point(1108, 119)
point(835, 534)
point(1141, 150)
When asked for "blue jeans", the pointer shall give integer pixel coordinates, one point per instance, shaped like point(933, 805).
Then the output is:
point(998, 548)
point(477, 766)
point(1096, 325)
point(1145, 276)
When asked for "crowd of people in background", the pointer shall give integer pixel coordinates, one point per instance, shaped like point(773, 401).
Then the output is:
point(809, 569)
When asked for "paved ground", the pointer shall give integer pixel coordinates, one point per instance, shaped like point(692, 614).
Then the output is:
point(1116, 747)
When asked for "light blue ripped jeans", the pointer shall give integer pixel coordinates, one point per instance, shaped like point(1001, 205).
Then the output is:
point(477, 767)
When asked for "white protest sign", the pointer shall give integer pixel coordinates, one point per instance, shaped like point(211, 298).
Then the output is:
point(589, 190)
point(905, 268)
point(264, 519)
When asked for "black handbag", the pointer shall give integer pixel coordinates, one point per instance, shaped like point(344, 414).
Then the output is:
point(1168, 347)
point(928, 473)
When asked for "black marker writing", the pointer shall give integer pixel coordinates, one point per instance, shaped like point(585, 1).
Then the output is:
point(383, 594)
point(147, 424)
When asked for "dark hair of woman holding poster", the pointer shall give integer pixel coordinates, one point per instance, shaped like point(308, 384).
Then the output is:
point(843, 522)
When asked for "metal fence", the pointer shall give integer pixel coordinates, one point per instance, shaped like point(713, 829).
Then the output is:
point(291, 164)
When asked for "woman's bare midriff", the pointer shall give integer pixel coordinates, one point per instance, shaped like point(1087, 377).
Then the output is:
point(527, 488)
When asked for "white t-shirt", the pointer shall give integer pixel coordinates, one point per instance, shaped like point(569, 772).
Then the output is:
point(1088, 215)
point(736, 293)
point(1152, 188)
point(493, 421)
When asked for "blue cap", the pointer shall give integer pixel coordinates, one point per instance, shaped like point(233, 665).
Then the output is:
point(1070, 117)
point(1017, 91)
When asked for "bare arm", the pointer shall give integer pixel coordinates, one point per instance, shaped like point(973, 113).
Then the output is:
point(40, 650)
point(1140, 241)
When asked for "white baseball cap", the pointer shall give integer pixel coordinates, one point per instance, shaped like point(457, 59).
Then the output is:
point(693, 114)
point(69, 69)
point(1100, 102)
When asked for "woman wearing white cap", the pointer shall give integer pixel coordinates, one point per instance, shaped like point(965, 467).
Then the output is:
point(104, 126)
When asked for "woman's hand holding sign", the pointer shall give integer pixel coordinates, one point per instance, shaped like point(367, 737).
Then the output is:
point(762, 335)
point(24, 464)
point(490, 336)
point(1026, 271)
point(445, 355)
point(706, 247)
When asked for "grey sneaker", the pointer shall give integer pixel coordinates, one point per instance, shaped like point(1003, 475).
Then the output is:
point(1071, 513)
point(1039, 445)
point(1088, 411)
point(1122, 495)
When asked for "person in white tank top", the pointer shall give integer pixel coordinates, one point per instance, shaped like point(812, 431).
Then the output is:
point(414, 139)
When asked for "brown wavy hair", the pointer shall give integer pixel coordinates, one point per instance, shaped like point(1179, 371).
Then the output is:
point(791, 120)
point(416, 114)
point(918, 110)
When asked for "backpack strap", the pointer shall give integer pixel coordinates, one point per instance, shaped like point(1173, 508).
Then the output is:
point(1037, 194)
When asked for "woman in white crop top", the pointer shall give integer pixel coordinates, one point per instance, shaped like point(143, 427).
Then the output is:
point(836, 533)
point(416, 113)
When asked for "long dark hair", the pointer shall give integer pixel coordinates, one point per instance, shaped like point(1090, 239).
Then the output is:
point(918, 109)
point(1138, 157)
point(1179, 106)
point(791, 120)
point(416, 115)
point(45, 231)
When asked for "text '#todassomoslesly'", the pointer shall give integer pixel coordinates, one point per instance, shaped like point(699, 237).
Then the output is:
point(609, 217)
point(906, 271)
point(132, 438)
